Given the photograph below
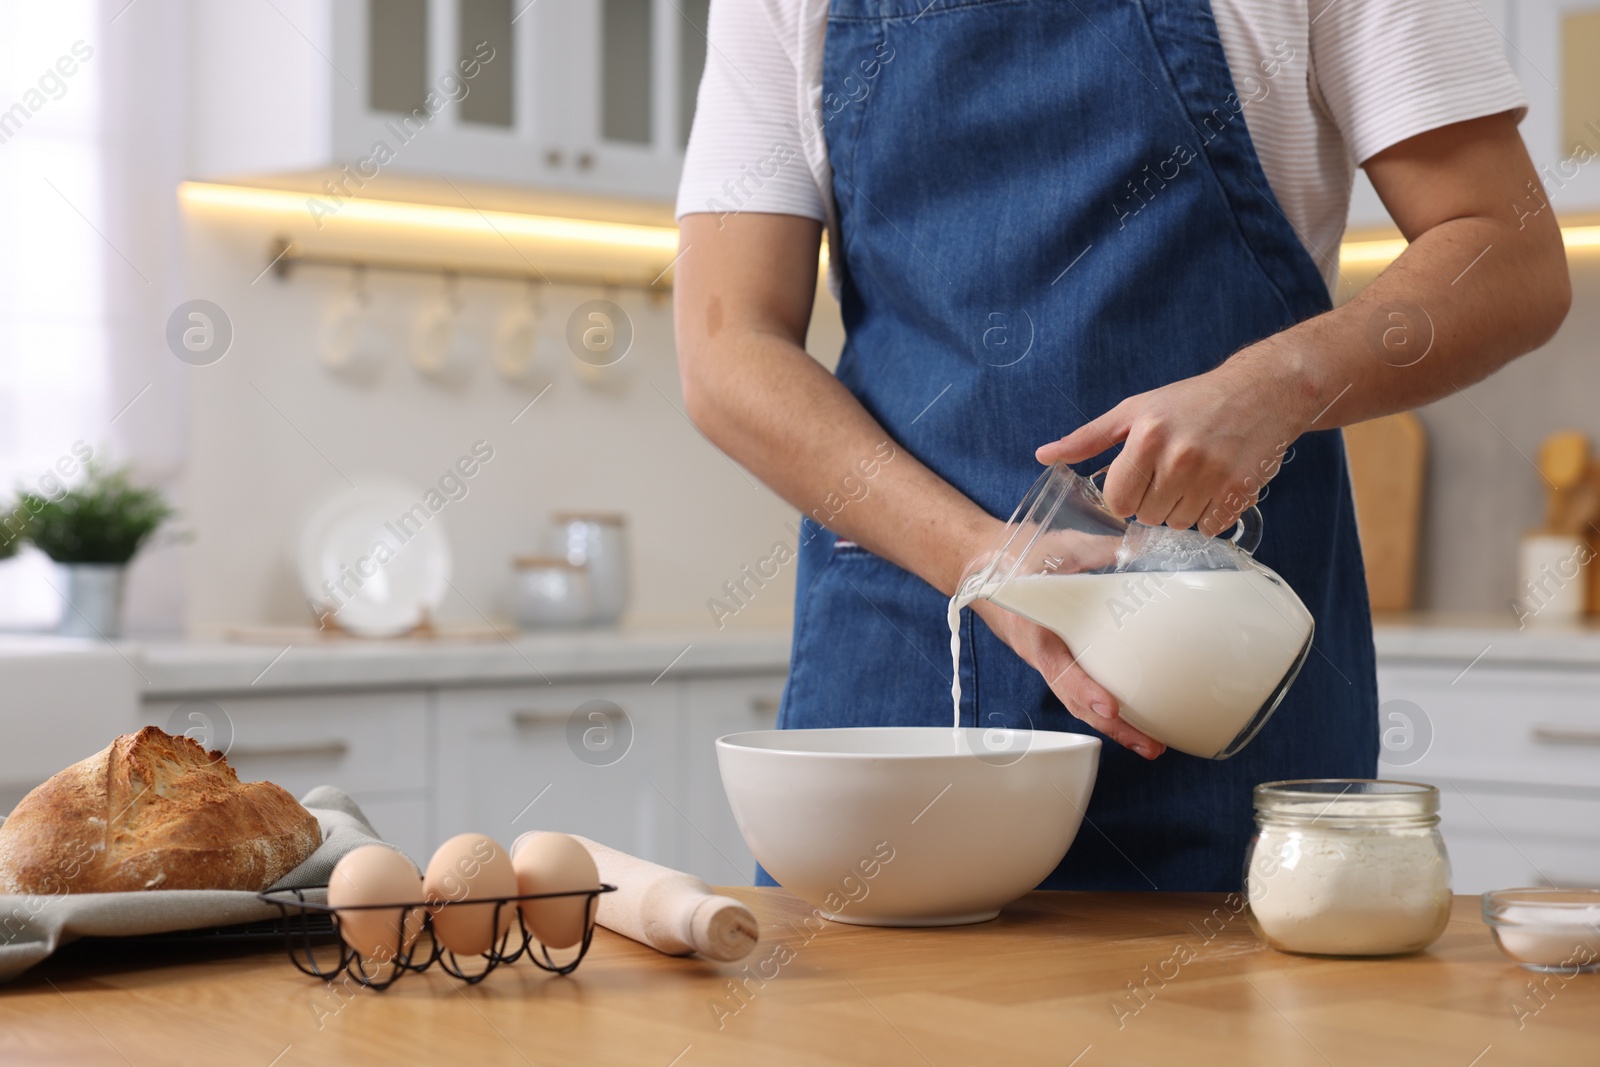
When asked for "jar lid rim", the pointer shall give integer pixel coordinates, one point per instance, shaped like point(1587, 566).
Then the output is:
point(1346, 798)
point(1355, 789)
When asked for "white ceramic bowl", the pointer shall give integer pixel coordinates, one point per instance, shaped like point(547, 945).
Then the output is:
point(908, 826)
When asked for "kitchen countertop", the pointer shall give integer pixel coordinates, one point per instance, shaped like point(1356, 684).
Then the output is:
point(1460, 639)
point(170, 668)
point(1050, 982)
point(176, 668)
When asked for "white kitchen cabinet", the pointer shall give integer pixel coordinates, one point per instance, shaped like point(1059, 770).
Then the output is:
point(1502, 839)
point(714, 849)
point(625, 73)
point(597, 759)
point(1516, 754)
point(373, 745)
point(1530, 32)
point(1563, 97)
point(434, 738)
point(1500, 725)
point(586, 95)
point(514, 759)
point(627, 762)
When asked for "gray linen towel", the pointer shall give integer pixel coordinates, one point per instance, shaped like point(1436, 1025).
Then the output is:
point(32, 927)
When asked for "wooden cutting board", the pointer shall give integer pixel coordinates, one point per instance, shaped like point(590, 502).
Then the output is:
point(1388, 462)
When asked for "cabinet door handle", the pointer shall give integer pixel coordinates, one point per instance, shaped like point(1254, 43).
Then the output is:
point(529, 717)
point(764, 705)
point(1565, 735)
point(324, 749)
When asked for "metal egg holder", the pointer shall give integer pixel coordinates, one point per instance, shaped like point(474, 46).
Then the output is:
point(299, 930)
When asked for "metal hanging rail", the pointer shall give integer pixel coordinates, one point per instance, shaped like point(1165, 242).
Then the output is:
point(284, 257)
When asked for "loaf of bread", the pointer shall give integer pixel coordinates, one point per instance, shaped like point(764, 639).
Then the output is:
point(153, 811)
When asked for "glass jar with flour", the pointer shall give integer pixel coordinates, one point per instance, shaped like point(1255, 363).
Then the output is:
point(1347, 867)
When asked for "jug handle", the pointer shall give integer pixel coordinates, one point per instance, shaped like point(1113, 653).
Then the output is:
point(1247, 531)
point(1246, 536)
point(1097, 482)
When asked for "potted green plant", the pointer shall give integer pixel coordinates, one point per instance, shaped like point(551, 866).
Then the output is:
point(92, 530)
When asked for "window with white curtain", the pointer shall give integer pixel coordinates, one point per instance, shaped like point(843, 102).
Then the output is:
point(54, 324)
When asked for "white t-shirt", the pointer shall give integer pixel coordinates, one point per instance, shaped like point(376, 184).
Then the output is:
point(1326, 84)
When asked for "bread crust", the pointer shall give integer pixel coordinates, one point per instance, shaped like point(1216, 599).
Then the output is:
point(153, 811)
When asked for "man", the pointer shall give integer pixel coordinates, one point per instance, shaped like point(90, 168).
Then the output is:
point(1094, 231)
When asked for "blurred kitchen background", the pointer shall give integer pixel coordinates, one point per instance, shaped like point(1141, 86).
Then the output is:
point(214, 275)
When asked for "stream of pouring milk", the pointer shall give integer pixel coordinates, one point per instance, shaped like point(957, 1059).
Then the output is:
point(1190, 656)
point(958, 602)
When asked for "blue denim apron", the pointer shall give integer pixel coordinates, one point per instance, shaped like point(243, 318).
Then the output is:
point(1047, 207)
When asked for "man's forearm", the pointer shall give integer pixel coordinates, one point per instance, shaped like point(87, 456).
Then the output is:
point(1483, 280)
point(755, 393)
point(1464, 299)
point(791, 423)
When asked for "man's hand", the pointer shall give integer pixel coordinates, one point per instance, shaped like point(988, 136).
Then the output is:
point(1199, 450)
point(1045, 652)
point(1085, 698)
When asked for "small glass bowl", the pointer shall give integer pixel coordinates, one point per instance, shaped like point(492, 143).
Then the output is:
point(1546, 929)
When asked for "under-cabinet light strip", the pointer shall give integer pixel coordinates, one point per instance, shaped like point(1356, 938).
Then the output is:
point(655, 239)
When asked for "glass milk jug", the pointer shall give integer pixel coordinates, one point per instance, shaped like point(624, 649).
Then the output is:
point(1196, 640)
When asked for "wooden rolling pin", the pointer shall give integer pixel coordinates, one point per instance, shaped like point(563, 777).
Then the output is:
point(672, 912)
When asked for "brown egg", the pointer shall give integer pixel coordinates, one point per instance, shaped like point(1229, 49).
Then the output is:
point(376, 874)
point(465, 868)
point(554, 863)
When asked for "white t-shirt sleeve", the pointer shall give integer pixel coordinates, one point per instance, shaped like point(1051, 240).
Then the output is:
point(1387, 70)
point(744, 151)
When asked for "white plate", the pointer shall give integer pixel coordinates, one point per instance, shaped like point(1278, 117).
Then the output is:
point(371, 590)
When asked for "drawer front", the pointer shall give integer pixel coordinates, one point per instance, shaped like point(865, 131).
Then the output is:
point(1494, 724)
point(1499, 840)
point(404, 821)
point(714, 849)
point(598, 760)
point(59, 709)
point(368, 744)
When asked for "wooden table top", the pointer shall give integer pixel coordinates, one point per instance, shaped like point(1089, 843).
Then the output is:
point(1049, 982)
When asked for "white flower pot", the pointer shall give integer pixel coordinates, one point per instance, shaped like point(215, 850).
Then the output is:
point(93, 599)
